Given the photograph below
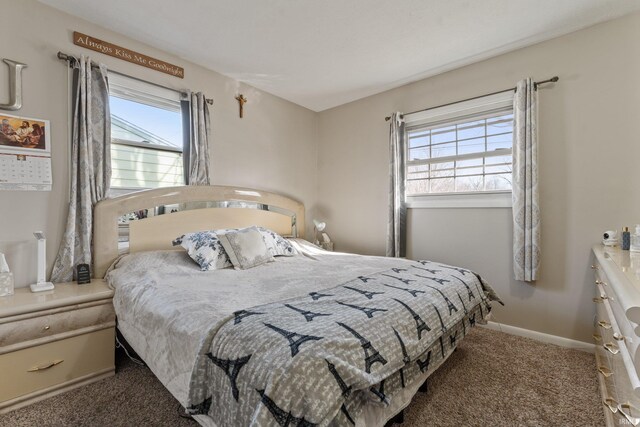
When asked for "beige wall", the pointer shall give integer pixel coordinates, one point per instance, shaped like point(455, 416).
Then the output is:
point(589, 172)
point(272, 148)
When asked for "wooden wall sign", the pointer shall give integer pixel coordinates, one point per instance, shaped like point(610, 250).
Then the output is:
point(126, 54)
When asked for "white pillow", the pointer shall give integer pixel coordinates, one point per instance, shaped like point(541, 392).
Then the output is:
point(277, 245)
point(246, 248)
point(205, 249)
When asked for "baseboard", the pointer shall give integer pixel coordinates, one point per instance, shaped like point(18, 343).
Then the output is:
point(541, 336)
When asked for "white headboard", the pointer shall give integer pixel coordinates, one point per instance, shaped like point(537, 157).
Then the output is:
point(278, 213)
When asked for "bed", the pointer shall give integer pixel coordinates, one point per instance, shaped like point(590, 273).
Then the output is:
point(318, 338)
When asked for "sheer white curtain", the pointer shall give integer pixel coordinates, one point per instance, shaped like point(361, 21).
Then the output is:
point(526, 211)
point(90, 165)
point(199, 138)
point(396, 226)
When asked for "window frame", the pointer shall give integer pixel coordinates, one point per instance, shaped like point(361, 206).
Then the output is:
point(150, 94)
point(500, 102)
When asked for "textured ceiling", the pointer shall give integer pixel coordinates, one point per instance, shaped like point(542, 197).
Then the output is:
point(324, 53)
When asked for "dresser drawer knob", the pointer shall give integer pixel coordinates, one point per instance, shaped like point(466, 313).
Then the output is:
point(600, 282)
point(611, 404)
point(618, 337)
point(611, 348)
point(604, 325)
point(597, 300)
point(45, 366)
point(606, 372)
point(597, 337)
point(625, 406)
point(46, 328)
point(595, 267)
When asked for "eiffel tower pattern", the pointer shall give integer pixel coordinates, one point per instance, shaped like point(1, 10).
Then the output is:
point(462, 302)
point(365, 279)
point(442, 327)
point(442, 346)
point(413, 292)
point(201, 408)
point(452, 307)
point(379, 392)
point(231, 367)
point(471, 296)
point(308, 315)
point(371, 354)
point(435, 279)
point(367, 294)
point(295, 339)
point(399, 270)
point(462, 271)
point(403, 347)
point(424, 364)
point(346, 390)
point(452, 339)
point(366, 310)
point(317, 295)
point(405, 281)
point(239, 315)
point(432, 271)
point(421, 326)
point(284, 419)
point(472, 320)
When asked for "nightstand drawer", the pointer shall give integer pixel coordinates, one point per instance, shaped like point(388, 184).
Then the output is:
point(56, 321)
point(44, 366)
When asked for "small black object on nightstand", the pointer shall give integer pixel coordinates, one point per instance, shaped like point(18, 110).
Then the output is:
point(83, 274)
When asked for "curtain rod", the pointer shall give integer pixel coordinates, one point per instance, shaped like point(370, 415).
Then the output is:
point(536, 84)
point(70, 58)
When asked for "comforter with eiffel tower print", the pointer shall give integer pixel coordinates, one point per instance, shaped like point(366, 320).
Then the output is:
point(316, 360)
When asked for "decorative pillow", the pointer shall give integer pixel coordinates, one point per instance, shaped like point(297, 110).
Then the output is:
point(246, 248)
point(277, 245)
point(205, 249)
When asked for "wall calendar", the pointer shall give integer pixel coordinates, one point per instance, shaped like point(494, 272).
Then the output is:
point(25, 154)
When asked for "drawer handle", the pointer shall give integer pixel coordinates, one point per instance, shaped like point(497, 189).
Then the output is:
point(595, 267)
point(606, 372)
point(600, 282)
point(611, 404)
point(618, 337)
point(47, 366)
point(598, 300)
point(611, 348)
point(597, 337)
point(46, 328)
point(633, 420)
point(604, 325)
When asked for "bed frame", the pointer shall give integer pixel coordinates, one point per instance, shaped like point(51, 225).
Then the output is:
point(197, 208)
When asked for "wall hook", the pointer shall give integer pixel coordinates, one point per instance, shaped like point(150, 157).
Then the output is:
point(15, 85)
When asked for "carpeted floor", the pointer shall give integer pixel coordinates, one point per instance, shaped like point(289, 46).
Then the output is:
point(493, 379)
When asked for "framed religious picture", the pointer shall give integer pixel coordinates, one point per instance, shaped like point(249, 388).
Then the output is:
point(24, 134)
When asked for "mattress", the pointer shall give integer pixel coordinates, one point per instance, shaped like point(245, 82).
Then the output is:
point(165, 305)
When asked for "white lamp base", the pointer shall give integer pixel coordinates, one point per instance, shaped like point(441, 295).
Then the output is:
point(43, 286)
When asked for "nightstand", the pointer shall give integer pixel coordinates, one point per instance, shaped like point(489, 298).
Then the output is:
point(53, 341)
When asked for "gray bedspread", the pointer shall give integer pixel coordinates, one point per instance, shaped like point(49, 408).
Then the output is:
point(316, 358)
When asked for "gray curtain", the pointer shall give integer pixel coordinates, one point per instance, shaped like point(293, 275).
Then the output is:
point(90, 165)
point(396, 227)
point(200, 136)
point(526, 211)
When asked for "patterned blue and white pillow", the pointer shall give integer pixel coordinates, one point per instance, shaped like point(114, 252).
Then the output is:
point(205, 249)
point(276, 244)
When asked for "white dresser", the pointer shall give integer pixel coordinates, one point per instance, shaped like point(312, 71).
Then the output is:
point(617, 332)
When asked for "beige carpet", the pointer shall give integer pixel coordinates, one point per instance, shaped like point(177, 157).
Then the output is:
point(493, 379)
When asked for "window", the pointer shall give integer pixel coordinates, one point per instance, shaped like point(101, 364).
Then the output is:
point(146, 136)
point(461, 148)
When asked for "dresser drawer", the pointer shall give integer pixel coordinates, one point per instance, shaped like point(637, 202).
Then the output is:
point(48, 323)
point(619, 400)
point(41, 367)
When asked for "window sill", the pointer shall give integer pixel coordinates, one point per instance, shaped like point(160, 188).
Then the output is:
point(501, 199)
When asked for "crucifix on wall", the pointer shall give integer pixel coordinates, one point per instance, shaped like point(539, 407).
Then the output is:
point(241, 101)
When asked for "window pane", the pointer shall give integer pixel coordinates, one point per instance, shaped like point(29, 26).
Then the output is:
point(469, 183)
point(469, 171)
point(498, 182)
point(417, 187)
point(443, 150)
point(500, 124)
point(133, 121)
point(499, 141)
point(471, 130)
point(469, 162)
point(498, 159)
point(444, 134)
point(498, 169)
point(419, 139)
point(471, 146)
point(417, 168)
point(442, 185)
point(419, 153)
point(439, 170)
